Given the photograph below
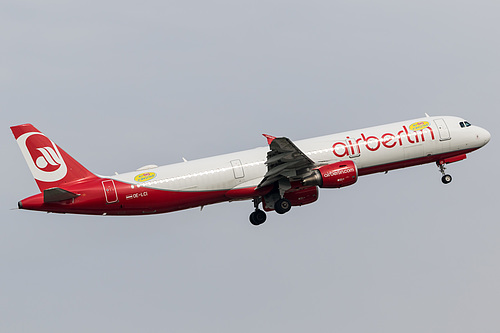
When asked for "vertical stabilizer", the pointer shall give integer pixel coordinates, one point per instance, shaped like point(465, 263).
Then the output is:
point(50, 165)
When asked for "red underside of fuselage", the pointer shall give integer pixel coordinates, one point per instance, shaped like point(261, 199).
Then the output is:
point(412, 162)
point(133, 200)
point(141, 201)
point(155, 201)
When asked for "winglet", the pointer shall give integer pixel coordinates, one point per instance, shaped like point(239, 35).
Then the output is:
point(269, 138)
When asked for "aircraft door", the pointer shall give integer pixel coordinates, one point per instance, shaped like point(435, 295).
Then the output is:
point(444, 133)
point(110, 191)
point(237, 169)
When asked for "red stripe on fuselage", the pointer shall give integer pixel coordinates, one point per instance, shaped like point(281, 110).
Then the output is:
point(144, 200)
point(411, 162)
point(133, 200)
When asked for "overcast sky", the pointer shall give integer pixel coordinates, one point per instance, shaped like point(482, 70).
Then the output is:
point(122, 84)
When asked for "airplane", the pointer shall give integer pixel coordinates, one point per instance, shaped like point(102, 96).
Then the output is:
point(284, 175)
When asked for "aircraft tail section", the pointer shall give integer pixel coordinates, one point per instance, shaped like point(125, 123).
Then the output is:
point(50, 165)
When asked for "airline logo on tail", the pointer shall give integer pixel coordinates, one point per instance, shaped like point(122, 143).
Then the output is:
point(43, 157)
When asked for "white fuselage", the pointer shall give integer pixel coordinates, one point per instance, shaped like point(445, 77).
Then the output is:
point(282, 175)
point(373, 149)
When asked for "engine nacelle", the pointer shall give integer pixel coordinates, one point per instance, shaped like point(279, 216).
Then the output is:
point(334, 175)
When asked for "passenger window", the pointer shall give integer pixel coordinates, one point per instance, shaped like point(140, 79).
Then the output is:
point(462, 124)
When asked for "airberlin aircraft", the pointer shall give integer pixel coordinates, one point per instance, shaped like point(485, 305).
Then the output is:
point(284, 175)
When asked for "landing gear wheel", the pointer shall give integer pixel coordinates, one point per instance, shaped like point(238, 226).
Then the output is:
point(282, 206)
point(446, 179)
point(258, 217)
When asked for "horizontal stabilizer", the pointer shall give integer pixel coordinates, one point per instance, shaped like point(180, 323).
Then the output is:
point(57, 194)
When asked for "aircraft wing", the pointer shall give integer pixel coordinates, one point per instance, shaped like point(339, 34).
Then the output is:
point(285, 161)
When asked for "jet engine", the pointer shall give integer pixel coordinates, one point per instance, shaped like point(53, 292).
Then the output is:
point(333, 175)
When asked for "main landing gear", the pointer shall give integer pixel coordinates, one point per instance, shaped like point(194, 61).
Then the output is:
point(446, 179)
point(282, 206)
point(258, 216)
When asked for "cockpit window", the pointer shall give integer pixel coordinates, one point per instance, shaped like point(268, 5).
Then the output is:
point(464, 124)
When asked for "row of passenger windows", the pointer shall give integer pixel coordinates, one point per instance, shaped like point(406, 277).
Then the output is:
point(464, 124)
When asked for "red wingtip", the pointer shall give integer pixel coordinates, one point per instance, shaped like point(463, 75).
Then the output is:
point(269, 138)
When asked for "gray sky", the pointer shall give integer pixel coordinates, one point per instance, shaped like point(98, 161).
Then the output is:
point(124, 84)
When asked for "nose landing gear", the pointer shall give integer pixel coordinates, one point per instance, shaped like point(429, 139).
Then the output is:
point(446, 179)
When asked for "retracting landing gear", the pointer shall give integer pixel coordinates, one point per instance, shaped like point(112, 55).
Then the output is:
point(282, 206)
point(446, 179)
point(274, 199)
point(258, 216)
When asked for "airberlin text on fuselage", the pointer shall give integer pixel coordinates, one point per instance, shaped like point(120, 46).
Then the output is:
point(352, 146)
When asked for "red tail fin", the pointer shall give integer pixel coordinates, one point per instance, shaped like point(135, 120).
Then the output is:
point(50, 165)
